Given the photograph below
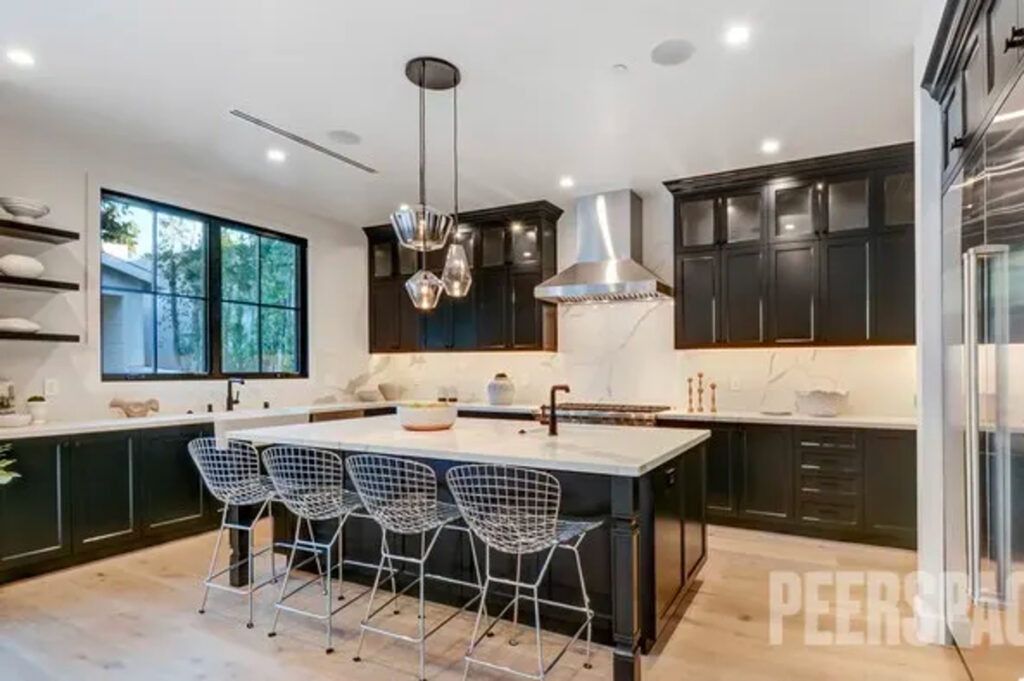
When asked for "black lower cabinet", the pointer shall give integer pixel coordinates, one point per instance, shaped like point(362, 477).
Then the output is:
point(34, 519)
point(847, 484)
point(766, 473)
point(104, 491)
point(84, 497)
point(695, 528)
point(667, 488)
point(173, 496)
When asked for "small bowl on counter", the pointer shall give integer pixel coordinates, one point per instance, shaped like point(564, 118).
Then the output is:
point(427, 416)
point(821, 402)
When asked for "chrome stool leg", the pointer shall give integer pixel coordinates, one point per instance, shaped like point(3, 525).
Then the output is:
point(213, 560)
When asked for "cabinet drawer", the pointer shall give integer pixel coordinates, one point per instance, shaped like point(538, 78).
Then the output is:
point(828, 513)
point(828, 486)
point(815, 440)
point(830, 463)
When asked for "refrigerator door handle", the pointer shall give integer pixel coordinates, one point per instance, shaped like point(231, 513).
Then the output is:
point(972, 429)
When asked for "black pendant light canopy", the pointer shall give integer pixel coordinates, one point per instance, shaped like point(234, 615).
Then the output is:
point(421, 227)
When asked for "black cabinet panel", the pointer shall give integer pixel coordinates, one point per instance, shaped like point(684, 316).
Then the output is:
point(892, 287)
point(890, 504)
point(844, 290)
point(668, 534)
point(463, 313)
point(694, 511)
point(793, 292)
point(697, 223)
point(766, 472)
point(696, 299)
point(172, 491)
point(33, 508)
point(492, 296)
point(103, 491)
point(721, 471)
point(437, 326)
point(385, 321)
point(526, 311)
point(742, 310)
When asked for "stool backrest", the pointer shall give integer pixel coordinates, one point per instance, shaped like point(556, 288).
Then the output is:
point(397, 492)
point(512, 509)
point(310, 482)
point(225, 467)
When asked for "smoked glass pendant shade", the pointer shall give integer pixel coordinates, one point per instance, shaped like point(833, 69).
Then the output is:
point(421, 227)
point(424, 289)
point(456, 275)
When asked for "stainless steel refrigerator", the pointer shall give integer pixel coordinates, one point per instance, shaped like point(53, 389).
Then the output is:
point(983, 333)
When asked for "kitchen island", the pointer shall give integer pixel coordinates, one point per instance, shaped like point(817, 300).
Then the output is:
point(647, 484)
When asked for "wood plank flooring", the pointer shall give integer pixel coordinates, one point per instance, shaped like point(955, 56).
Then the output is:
point(134, 617)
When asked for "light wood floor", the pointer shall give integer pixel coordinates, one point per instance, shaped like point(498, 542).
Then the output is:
point(134, 617)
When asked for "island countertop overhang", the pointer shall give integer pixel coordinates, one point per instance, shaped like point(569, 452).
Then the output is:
point(627, 451)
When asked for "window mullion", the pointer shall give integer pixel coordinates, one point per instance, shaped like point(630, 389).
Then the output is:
point(215, 279)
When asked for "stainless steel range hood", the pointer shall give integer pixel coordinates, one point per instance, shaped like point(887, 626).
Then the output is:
point(609, 239)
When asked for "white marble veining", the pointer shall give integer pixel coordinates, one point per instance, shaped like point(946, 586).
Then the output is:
point(843, 421)
point(606, 450)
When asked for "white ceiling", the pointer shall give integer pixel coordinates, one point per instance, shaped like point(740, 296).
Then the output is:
point(539, 98)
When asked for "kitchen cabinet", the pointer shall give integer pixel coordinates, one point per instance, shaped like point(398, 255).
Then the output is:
point(697, 283)
point(694, 514)
point(810, 252)
point(34, 510)
point(104, 491)
point(721, 471)
point(742, 310)
point(511, 249)
point(766, 473)
point(668, 534)
point(793, 291)
point(845, 291)
point(890, 504)
point(173, 496)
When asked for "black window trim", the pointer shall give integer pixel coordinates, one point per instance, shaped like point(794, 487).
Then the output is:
point(213, 297)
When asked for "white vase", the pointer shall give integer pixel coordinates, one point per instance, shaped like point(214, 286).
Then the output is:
point(501, 390)
point(38, 412)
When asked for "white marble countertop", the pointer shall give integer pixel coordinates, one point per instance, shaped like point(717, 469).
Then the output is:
point(605, 450)
point(58, 428)
point(842, 421)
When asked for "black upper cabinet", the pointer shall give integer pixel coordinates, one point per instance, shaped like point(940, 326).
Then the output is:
point(845, 292)
point(892, 287)
point(793, 293)
point(796, 253)
point(510, 249)
point(697, 311)
point(742, 310)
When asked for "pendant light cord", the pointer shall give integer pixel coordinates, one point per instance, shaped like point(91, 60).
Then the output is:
point(423, 160)
point(455, 150)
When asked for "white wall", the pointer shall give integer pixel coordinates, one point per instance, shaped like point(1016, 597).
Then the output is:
point(67, 173)
point(624, 352)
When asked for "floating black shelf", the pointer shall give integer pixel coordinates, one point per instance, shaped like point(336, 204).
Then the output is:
point(52, 337)
point(33, 232)
point(26, 284)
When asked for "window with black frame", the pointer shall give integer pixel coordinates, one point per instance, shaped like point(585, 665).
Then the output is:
point(187, 295)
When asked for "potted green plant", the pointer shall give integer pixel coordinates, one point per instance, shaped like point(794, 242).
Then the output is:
point(37, 408)
point(6, 475)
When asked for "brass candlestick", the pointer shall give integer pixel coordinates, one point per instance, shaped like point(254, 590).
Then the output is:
point(700, 391)
point(714, 406)
point(689, 395)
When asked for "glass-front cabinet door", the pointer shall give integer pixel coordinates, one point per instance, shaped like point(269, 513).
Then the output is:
point(847, 202)
point(742, 218)
point(794, 211)
point(983, 339)
point(525, 250)
point(697, 222)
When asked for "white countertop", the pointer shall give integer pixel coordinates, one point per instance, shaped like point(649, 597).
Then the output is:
point(58, 428)
point(605, 450)
point(842, 421)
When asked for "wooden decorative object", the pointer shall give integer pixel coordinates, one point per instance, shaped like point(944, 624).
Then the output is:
point(689, 395)
point(133, 409)
point(700, 391)
point(714, 405)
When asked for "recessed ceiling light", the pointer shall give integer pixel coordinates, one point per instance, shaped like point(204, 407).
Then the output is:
point(20, 57)
point(737, 35)
point(566, 182)
point(770, 146)
point(276, 156)
point(672, 52)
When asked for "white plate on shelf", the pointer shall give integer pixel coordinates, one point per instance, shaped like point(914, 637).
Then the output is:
point(19, 325)
point(14, 265)
point(15, 420)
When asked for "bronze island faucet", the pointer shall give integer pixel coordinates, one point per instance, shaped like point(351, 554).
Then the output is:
point(552, 415)
point(233, 398)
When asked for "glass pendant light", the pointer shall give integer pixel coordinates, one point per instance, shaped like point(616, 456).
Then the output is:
point(456, 276)
point(421, 227)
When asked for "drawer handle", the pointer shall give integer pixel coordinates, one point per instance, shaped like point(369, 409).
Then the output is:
point(811, 518)
point(957, 143)
point(810, 467)
point(809, 444)
point(812, 490)
point(1015, 40)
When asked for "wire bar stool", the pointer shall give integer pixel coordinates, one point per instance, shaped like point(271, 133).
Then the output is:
point(401, 495)
point(310, 484)
point(515, 511)
point(231, 472)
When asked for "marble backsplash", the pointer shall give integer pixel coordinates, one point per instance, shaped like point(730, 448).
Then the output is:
point(624, 353)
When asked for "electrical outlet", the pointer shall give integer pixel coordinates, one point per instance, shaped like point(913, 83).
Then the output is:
point(51, 387)
point(734, 384)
